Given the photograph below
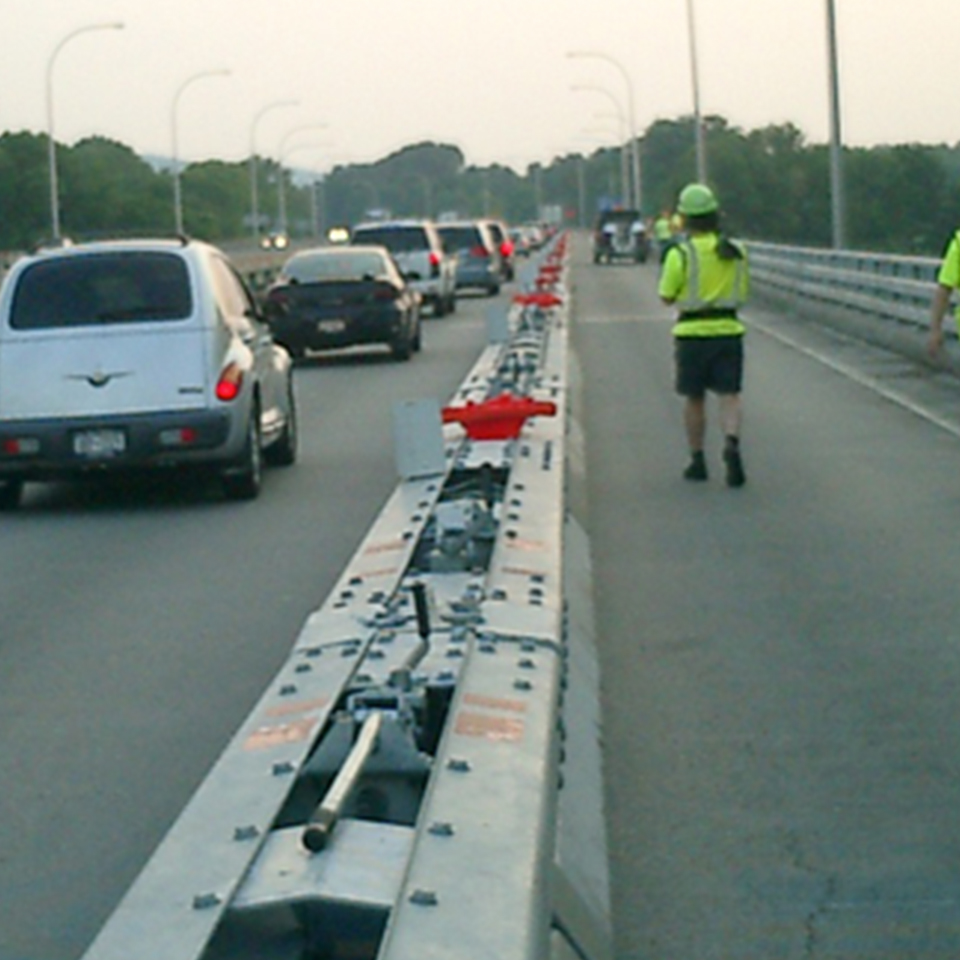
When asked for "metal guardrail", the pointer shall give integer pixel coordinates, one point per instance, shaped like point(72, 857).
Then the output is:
point(884, 285)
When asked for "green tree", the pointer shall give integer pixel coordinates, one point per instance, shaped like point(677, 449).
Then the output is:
point(24, 190)
point(105, 188)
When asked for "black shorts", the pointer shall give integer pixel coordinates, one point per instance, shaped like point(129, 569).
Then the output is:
point(708, 363)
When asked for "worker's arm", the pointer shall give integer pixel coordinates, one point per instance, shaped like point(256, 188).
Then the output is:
point(671, 277)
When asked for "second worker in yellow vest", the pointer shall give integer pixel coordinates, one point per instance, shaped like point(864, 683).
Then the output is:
point(706, 276)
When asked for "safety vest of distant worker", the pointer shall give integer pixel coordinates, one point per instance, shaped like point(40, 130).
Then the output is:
point(662, 229)
point(949, 273)
point(705, 274)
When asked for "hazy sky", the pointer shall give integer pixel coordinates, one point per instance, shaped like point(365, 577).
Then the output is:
point(491, 77)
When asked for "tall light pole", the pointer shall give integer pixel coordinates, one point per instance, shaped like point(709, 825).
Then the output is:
point(281, 153)
point(695, 78)
point(837, 204)
point(624, 177)
point(177, 197)
point(254, 197)
point(51, 149)
point(634, 147)
point(281, 197)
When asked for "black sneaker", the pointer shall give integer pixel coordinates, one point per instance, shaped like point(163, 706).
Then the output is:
point(697, 470)
point(734, 463)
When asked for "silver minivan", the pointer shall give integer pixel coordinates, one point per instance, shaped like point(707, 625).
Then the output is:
point(138, 355)
point(419, 253)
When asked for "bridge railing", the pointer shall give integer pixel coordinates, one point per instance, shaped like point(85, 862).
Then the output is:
point(892, 287)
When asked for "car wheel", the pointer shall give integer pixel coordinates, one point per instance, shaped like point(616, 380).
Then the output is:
point(493, 290)
point(243, 482)
point(417, 341)
point(452, 303)
point(402, 346)
point(439, 307)
point(283, 452)
point(10, 493)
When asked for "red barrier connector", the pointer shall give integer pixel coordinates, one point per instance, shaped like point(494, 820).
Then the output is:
point(541, 298)
point(500, 418)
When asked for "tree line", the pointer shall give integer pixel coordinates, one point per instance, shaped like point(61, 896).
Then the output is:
point(773, 186)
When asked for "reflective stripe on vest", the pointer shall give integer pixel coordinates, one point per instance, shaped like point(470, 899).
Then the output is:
point(694, 302)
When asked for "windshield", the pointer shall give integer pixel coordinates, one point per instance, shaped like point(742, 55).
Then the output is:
point(342, 265)
point(460, 238)
point(395, 239)
point(102, 288)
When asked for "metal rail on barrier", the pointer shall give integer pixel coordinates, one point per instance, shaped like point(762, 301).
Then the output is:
point(892, 287)
point(422, 777)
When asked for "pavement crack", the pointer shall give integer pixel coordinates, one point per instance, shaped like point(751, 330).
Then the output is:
point(821, 903)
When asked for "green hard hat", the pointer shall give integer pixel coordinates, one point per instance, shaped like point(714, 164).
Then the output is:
point(696, 200)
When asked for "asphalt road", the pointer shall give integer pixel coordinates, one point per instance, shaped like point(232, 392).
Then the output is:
point(138, 626)
point(781, 663)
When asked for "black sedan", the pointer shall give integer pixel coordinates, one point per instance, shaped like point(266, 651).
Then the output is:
point(331, 297)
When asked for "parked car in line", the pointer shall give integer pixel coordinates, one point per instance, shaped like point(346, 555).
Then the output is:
point(620, 235)
point(343, 296)
point(501, 237)
point(478, 257)
point(138, 355)
point(419, 253)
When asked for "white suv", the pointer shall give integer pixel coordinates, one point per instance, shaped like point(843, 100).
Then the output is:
point(419, 253)
point(132, 355)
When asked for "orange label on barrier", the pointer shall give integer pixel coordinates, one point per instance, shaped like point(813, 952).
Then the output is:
point(381, 572)
point(520, 544)
point(267, 738)
point(297, 706)
point(385, 546)
point(494, 703)
point(505, 729)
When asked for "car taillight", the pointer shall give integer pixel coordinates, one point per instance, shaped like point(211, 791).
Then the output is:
point(435, 259)
point(506, 248)
point(230, 382)
point(178, 437)
point(479, 251)
point(20, 446)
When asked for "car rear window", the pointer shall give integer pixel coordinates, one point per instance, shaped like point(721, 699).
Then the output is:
point(102, 288)
point(395, 239)
point(343, 265)
point(460, 238)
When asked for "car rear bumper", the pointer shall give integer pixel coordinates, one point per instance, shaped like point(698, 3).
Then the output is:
point(432, 289)
point(46, 449)
point(336, 331)
point(482, 275)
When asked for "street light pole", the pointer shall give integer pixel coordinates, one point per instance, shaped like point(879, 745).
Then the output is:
point(697, 117)
point(282, 197)
point(281, 189)
point(634, 147)
point(624, 176)
point(51, 148)
point(254, 195)
point(837, 204)
point(177, 197)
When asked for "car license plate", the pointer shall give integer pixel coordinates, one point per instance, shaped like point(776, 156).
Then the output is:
point(332, 326)
point(99, 444)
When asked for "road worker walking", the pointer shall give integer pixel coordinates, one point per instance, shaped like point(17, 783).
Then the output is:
point(948, 280)
point(706, 276)
point(663, 234)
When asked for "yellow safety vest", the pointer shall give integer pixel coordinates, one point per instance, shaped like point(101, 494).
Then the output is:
point(713, 289)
